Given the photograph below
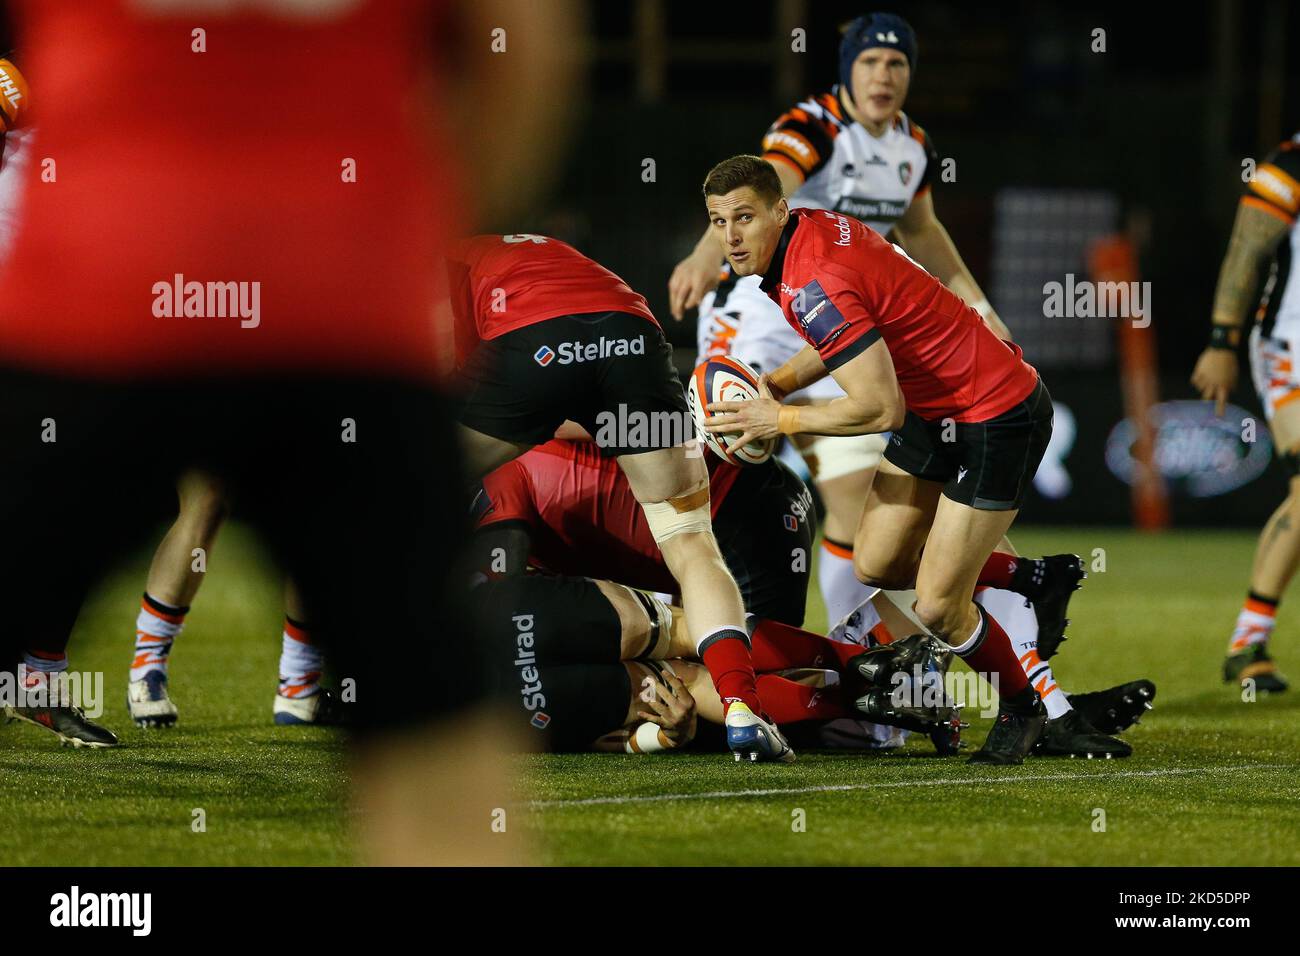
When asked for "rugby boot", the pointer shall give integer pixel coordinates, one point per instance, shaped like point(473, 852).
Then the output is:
point(1115, 709)
point(69, 724)
point(752, 738)
point(1070, 735)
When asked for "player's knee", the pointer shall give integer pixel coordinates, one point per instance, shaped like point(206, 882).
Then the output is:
point(1291, 465)
point(203, 502)
point(889, 576)
point(686, 514)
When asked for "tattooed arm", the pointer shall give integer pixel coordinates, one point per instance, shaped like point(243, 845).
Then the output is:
point(1255, 235)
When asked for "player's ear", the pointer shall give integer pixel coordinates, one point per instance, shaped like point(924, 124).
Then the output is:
point(782, 212)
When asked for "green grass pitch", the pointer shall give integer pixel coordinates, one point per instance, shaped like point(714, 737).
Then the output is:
point(1213, 780)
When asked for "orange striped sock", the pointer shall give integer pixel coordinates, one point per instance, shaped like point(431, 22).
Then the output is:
point(156, 627)
point(1254, 623)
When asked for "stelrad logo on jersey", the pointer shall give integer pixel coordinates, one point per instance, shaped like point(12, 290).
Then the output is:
point(567, 353)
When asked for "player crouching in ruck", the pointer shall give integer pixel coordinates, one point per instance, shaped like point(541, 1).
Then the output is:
point(545, 335)
point(970, 418)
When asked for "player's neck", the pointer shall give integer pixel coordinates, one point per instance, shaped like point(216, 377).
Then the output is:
point(875, 129)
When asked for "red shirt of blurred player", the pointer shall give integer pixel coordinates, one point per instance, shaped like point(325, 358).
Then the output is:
point(290, 146)
point(502, 283)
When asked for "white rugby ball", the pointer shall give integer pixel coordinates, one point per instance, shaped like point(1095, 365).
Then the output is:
point(725, 379)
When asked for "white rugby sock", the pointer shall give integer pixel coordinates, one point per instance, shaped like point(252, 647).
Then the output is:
point(1021, 624)
point(841, 590)
point(156, 627)
point(301, 662)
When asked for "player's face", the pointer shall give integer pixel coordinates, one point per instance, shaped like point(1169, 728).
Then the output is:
point(880, 78)
point(748, 227)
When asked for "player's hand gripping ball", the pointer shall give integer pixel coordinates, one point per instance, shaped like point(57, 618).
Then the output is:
point(725, 379)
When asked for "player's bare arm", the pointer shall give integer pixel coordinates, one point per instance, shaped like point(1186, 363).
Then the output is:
point(1255, 235)
point(804, 368)
point(925, 239)
point(873, 402)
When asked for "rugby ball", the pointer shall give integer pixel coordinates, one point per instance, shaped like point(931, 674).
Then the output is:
point(725, 379)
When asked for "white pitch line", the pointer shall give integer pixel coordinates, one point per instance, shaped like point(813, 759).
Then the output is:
point(844, 787)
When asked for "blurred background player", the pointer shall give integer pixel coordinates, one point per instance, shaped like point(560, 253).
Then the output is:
point(1264, 234)
point(851, 149)
point(545, 335)
point(268, 318)
point(177, 570)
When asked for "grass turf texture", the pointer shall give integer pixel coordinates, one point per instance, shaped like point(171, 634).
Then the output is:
point(1213, 780)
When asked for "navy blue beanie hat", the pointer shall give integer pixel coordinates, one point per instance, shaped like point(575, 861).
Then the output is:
point(875, 30)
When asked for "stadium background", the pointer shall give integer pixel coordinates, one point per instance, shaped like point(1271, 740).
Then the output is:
point(1054, 146)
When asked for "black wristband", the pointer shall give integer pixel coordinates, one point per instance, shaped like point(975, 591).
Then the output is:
point(1224, 337)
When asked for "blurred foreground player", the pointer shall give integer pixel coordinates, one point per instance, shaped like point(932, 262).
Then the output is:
point(1264, 234)
point(545, 335)
point(267, 320)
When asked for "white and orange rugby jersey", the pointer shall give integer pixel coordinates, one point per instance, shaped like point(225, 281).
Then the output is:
point(1275, 189)
point(846, 169)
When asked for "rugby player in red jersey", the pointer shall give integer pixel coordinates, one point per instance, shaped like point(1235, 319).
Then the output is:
point(545, 335)
point(853, 149)
point(235, 286)
point(970, 418)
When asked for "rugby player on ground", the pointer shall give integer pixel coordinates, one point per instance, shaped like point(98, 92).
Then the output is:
point(970, 419)
point(1264, 233)
point(565, 509)
point(581, 657)
point(545, 335)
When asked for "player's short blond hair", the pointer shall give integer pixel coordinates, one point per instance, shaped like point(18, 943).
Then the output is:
point(744, 170)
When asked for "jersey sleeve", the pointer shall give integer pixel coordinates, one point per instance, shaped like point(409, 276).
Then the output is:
point(834, 319)
point(931, 160)
point(504, 495)
point(799, 139)
point(1275, 187)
